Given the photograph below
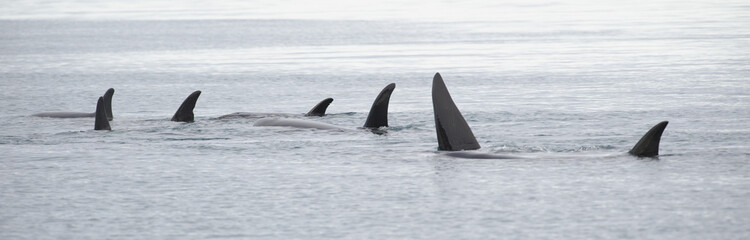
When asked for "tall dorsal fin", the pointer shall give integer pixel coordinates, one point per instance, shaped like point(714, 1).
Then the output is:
point(648, 146)
point(100, 116)
point(108, 103)
point(320, 109)
point(185, 112)
point(453, 133)
point(378, 116)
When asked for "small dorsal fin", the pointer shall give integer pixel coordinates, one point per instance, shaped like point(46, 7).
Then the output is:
point(100, 116)
point(185, 112)
point(108, 103)
point(453, 133)
point(320, 109)
point(378, 116)
point(648, 146)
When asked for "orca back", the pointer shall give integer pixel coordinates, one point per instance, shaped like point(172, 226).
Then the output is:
point(378, 116)
point(648, 146)
point(64, 114)
point(453, 133)
point(100, 116)
point(320, 109)
point(291, 122)
point(185, 112)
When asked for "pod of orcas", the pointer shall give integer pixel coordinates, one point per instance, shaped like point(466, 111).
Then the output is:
point(454, 135)
point(377, 117)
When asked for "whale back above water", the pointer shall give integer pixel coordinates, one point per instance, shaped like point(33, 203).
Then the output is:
point(453, 133)
point(376, 118)
point(107, 107)
point(318, 110)
point(185, 112)
point(291, 122)
point(64, 114)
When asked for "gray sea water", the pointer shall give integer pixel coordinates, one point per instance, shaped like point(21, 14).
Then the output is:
point(570, 86)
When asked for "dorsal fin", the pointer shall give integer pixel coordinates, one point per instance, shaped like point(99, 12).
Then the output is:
point(185, 112)
point(453, 133)
point(648, 146)
point(378, 116)
point(108, 103)
point(100, 116)
point(320, 109)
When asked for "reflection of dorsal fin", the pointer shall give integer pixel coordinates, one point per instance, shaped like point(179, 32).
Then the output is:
point(185, 112)
point(648, 146)
point(108, 103)
point(100, 116)
point(453, 133)
point(320, 109)
point(378, 116)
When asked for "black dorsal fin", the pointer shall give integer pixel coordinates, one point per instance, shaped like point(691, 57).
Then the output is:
point(453, 133)
point(320, 109)
point(378, 116)
point(648, 146)
point(100, 116)
point(108, 103)
point(185, 112)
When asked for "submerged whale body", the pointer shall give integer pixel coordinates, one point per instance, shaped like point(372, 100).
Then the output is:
point(107, 98)
point(454, 134)
point(376, 118)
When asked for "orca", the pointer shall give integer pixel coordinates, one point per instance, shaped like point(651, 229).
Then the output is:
point(453, 133)
point(376, 118)
point(318, 110)
point(185, 111)
point(107, 107)
point(101, 121)
point(648, 146)
point(455, 136)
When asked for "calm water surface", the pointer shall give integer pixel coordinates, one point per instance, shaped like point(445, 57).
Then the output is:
point(569, 86)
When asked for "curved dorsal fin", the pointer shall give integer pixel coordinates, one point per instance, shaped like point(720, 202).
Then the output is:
point(108, 103)
point(378, 116)
point(648, 146)
point(185, 112)
point(100, 116)
point(320, 109)
point(453, 133)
